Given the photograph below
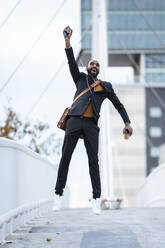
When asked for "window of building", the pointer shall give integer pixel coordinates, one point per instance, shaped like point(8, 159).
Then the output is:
point(155, 112)
point(86, 20)
point(134, 21)
point(155, 60)
point(155, 77)
point(129, 5)
point(154, 152)
point(86, 4)
point(155, 132)
point(133, 40)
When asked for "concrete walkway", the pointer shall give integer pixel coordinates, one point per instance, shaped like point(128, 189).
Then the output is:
point(80, 228)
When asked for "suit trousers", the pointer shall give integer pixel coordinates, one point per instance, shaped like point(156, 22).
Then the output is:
point(77, 125)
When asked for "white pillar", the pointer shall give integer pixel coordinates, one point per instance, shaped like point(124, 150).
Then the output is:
point(99, 35)
point(110, 161)
point(100, 53)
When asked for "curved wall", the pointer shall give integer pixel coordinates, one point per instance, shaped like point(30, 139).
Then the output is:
point(24, 176)
point(152, 192)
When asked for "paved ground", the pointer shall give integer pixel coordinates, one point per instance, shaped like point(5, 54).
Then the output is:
point(80, 228)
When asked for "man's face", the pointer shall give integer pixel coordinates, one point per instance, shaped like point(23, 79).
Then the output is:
point(93, 68)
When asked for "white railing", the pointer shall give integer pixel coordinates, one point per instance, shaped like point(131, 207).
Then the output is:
point(18, 217)
point(152, 192)
point(25, 176)
point(25, 179)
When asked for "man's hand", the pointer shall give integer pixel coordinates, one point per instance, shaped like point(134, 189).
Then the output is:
point(69, 35)
point(67, 38)
point(128, 127)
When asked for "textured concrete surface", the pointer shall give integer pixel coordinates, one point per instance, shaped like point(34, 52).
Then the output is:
point(80, 228)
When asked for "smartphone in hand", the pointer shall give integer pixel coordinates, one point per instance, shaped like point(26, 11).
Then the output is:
point(67, 31)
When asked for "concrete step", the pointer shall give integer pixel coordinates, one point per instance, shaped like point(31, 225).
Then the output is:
point(80, 228)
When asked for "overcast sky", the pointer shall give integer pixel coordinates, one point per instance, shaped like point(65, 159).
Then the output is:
point(16, 38)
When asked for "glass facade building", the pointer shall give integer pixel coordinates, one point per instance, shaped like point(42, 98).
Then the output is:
point(135, 27)
point(124, 18)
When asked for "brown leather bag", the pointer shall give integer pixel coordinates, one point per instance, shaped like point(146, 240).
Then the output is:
point(63, 120)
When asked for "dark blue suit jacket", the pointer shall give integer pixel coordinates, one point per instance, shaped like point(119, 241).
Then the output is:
point(80, 80)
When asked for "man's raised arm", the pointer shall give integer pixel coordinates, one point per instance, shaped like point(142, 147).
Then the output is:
point(74, 70)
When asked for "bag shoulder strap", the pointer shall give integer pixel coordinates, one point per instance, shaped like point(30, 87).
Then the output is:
point(97, 82)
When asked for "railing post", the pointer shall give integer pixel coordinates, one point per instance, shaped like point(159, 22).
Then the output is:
point(2, 238)
point(11, 225)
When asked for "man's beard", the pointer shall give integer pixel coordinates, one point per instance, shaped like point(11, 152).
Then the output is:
point(93, 74)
